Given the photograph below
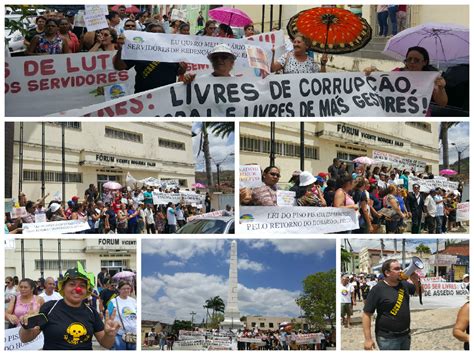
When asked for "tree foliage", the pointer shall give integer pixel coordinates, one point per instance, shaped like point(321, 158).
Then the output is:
point(181, 325)
point(424, 249)
point(318, 300)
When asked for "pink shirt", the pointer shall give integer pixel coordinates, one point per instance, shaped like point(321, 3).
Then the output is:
point(23, 308)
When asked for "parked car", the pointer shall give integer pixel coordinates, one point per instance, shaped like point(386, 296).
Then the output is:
point(210, 225)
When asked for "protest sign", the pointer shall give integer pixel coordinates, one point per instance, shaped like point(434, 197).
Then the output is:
point(96, 9)
point(13, 342)
point(219, 213)
point(250, 176)
point(444, 294)
point(397, 160)
point(258, 341)
point(182, 48)
point(45, 84)
point(151, 181)
point(426, 185)
point(191, 332)
point(162, 198)
point(260, 219)
point(286, 198)
point(95, 21)
point(79, 19)
point(291, 95)
point(18, 212)
point(257, 58)
point(177, 14)
point(59, 227)
point(462, 212)
point(311, 338)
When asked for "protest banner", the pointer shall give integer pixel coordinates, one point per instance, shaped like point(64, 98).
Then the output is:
point(13, 342)
point(45, 84)
point(162, 198)
point(177, 14)
point(183, 48)
point(397, 160)
point(433, 279)
point(250, 176)
point(292, 95)
point(18, 212)
point(258, 341)
point(219, 213)
point(444, 294)
point(258, 219)
point(151, 181)
point(426, 185)
point(191, 333)
point(462, 212)
point(311, 338)
point(58, 227)
point(286, 198)
point(257, 58)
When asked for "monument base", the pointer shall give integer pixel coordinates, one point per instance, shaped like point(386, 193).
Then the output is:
point(230, 324)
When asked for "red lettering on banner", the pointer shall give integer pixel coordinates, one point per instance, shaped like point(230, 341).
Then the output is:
point(112, 77)
point(7, 70)
point(121, 109)
point(44, 84)
point(103, 60)
point(12, 88)
point(44, 67)
point(32, 85)
point(69, 67)
point(101, 78)
point(138, 106)
point(123, 75)
point(55, 83)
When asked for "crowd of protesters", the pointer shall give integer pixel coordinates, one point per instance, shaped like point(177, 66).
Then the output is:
point(125, 211)
point(378, 194)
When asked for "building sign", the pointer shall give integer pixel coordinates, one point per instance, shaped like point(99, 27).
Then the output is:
point(373, 138)
point(111, 244)
point(123, 161)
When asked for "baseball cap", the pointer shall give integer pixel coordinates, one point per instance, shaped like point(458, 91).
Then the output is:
point(221, 48)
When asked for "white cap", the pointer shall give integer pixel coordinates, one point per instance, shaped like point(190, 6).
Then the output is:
point(221, 48)
point(306, 178)
point(465, 275)
point(54, 207)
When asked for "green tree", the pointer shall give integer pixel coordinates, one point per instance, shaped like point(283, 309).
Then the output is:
point(345, 258)
point(181, 324)
point(423, 249)
point(318, 300)
point(215, 320)
point(216, 304)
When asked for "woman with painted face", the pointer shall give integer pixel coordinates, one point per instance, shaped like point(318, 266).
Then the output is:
point(298, 61)
point(126, 309)
point(69, 324)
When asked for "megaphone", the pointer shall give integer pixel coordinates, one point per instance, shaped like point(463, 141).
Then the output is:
point(415, 264)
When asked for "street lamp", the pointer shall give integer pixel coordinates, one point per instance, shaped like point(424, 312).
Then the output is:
point(218, 166)
point(459, 155)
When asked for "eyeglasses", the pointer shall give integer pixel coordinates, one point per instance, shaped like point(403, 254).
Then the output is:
point(275, 174)
point(413, 60)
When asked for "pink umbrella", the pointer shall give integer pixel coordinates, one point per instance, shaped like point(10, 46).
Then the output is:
point(112, 185)
point(129, 10)
point(198, 185)
point(448, 172)
point(230, 16)
point(363, 160)
point(124, 275)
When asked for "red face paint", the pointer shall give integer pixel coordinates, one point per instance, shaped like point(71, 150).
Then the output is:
point(78, 289)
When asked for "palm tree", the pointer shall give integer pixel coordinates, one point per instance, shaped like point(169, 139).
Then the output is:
point(423, 249)
point(443, 137)
point(216, 304)
point(219, 129)
point(345, 258)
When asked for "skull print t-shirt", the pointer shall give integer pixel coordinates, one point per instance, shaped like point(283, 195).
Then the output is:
point(69, 328)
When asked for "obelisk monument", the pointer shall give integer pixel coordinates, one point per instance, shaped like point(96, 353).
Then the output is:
point(232, 313)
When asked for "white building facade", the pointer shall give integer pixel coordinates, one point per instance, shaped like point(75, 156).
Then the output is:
point(99, 152)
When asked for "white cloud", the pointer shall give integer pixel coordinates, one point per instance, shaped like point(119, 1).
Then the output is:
point(183, 249)
point(183, 293)
point(458, 134)
point(246, 264)
point(220, 149)
point(304, 246)
point(174, 263)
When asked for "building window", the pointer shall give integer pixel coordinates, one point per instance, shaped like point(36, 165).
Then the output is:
point(123, 135)
point(424, 126)
point(270, 325)
point(50, 264)
point(287, 149)
point(262, 325)
point(254, 324)
point(347, 156)
point(51, 176)
point(166, 143)
point(69, 125)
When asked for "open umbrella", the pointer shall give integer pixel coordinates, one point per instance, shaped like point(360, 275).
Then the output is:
point(129, 10)
point(445, 43)
point(331, 30)
point(112, 185)
point(198, 185)
point(448, 172)
point(124, 275)
point(230, 16)
point(364, 160)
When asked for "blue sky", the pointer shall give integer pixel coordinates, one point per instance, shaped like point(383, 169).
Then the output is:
point(220, 150)
point(179, 275)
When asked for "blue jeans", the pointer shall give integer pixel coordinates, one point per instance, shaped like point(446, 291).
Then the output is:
point(382, 18)
point(400, 343)
point(121, 345)
point(439, 224)
point(392, 12)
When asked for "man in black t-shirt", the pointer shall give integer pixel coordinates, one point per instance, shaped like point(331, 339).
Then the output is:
point(106, 295)
point(391, 299)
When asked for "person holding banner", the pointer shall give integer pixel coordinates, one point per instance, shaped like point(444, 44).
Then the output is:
point(150, 75)
point(298, 61)
point(50, 42)
point(265, 195)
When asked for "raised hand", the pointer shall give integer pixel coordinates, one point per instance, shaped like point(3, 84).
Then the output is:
point(111, 326)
